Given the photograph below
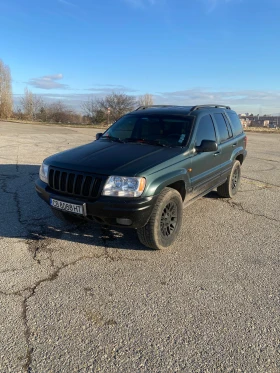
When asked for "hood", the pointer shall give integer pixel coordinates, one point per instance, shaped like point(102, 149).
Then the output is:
point(112, 158)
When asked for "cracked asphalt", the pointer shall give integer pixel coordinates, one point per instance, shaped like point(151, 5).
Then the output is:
point(91, 299)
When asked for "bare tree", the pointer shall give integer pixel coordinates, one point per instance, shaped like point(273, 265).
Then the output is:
point(58, 112)
point(92, 110)
point(6, 100)
point(146, 100)
point(27, 104)
point(38, 106)
point(32, 105)
point(116, 105)
point(90, 107)
point(18, 114)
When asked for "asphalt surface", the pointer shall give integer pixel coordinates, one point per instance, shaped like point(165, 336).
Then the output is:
point(87, 299)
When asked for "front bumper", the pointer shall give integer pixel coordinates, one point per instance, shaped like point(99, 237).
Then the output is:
point(106, 210)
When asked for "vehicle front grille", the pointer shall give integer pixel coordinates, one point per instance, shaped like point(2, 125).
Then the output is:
point(74, 183)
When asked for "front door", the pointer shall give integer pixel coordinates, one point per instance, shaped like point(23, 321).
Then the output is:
point(205, 172)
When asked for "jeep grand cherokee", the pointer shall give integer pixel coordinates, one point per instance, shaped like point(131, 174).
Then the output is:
point(146, 167)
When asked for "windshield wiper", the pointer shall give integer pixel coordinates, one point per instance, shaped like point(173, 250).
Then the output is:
point(145, 141)
point(112, 138)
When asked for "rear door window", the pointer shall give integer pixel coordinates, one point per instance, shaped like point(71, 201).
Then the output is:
point(235, 123)
point(222, 127)
point(228, 125)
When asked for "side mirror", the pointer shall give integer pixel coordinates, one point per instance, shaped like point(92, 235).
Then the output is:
point(207, 146)
point(98, 135)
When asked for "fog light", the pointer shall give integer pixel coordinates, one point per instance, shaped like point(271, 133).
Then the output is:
point(124, 221)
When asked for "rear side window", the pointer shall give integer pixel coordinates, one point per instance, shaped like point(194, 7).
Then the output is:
point(235, 123)
point(222, 127)
point(205, 130)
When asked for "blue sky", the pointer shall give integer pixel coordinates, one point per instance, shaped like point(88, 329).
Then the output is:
point(181, 51)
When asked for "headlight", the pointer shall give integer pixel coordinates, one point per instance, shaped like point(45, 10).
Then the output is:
point(120, 186)
point(43, 174)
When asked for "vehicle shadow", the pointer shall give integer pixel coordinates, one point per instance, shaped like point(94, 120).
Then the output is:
point(25, 215)
point(212, 195)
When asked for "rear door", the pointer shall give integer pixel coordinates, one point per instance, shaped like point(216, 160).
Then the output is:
point(205, 166)
point(226, 142)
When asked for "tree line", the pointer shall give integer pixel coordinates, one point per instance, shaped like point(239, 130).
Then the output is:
point(95, 110)
point(6, 97)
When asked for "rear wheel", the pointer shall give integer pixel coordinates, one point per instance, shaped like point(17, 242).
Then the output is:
point(231, 186)
point(68, 218)
point(165, 222)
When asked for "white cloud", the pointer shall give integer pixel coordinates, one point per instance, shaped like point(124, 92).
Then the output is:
point(108, 88)
point(48, 82)
point(239, 99)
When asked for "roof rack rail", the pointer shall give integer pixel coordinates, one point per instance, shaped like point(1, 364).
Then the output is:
point(209, 105)
point(153, 106)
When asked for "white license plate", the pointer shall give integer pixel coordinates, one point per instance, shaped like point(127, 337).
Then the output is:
point(68, 207)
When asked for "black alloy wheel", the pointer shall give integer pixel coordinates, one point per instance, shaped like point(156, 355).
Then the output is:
point(235, 178)
point(162, 230)
point(169, 219)
point(231, 186)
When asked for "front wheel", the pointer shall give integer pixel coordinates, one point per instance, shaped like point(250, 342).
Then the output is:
point(165, 222)
point(231, 186)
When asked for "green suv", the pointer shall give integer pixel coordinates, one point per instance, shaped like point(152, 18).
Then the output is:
point(146, 168)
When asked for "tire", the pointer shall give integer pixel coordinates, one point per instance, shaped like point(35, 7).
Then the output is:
point(68, 218)
point(231, 186)
point(165, 222)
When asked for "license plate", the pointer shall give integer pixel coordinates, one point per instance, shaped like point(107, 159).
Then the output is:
point(68, 207)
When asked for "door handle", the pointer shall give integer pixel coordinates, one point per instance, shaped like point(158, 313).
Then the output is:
point(217, 153)
point(233, 145)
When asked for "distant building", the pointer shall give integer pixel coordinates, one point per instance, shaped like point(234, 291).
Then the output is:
point(259, 121)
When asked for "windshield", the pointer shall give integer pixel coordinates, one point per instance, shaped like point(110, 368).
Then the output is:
point(164, 130)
